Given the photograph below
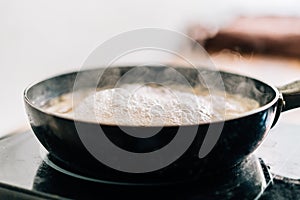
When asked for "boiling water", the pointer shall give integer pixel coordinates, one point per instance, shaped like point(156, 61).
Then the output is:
point(152, 105)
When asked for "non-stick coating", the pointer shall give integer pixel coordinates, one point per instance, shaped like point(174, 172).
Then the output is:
point(239, 138)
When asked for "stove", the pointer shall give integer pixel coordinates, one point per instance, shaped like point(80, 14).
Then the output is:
point(27, 171)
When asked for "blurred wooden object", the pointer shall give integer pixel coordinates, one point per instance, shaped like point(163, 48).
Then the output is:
point(270, 35)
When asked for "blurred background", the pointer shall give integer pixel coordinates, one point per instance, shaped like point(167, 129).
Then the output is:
point(41, 38)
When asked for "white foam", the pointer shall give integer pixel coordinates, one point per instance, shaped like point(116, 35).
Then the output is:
point(145, 106)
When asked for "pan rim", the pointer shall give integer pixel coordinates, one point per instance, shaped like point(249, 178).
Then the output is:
point(245, 114)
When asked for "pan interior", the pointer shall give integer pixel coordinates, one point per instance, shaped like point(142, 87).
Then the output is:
point(39, 94)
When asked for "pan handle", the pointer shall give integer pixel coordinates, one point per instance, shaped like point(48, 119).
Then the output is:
point(289, 98)
point(291, 95)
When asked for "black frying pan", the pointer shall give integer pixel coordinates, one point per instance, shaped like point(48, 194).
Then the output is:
point(239, 138)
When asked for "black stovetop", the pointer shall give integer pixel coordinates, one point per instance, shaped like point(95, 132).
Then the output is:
point(27, 172)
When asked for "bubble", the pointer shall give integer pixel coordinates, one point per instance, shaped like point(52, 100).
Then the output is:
point(147, 106)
